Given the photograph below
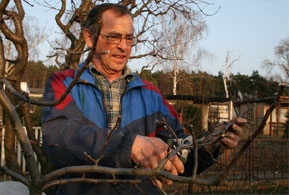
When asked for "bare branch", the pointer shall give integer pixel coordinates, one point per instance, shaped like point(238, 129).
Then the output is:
point(107, 140)
point(171, 131)
point(24, 141)
point(46, 165)
point(28, 3)
point(17, 38)
point(195, 156)
point(24, 98)
point(158, 186)
point(123, 171)
point(88, 180)
point(2, 59)
point(16, 176)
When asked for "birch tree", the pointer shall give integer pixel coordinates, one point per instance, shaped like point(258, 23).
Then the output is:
point(178, 37)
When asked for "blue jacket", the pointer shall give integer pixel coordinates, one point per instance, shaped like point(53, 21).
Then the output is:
point(78, 125)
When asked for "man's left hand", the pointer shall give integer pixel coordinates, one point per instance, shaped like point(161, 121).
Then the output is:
point(232, 136)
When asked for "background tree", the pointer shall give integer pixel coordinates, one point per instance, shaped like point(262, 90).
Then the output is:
point(36, 74)
point(71, 18)
point(33, 32)
point(229, 62)
point(253, 87)
point(282, 53)
point(201, 83)
point(177, 37)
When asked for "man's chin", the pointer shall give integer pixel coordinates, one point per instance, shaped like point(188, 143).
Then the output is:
point(118, 67)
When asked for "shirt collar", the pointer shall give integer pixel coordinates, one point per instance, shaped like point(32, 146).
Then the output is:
point(126, 73)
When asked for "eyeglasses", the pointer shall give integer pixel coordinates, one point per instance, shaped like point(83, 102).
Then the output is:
point(117, 39)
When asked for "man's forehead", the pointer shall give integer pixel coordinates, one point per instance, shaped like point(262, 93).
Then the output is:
point(113, 21)
point(111, 16)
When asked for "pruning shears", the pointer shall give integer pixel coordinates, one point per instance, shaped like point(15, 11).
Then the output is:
point(182, 154)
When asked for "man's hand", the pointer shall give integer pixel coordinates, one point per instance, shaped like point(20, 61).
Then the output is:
point(148, 152)
point(232, 136)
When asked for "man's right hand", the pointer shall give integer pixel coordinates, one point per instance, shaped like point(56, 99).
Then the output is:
point(148, 152)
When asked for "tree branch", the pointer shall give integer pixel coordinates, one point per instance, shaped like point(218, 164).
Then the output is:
point(88, 180)
point(20, 133)
point(2, 59)
point(16, 176)
point(123, 171)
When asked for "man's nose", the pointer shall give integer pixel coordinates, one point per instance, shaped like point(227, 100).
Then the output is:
point(123, 44)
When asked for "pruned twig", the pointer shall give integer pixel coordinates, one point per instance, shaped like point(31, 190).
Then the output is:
point(107, 140)
point(195, 156)
point(158, 186)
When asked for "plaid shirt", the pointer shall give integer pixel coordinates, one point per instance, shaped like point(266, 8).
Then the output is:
point(111, 93)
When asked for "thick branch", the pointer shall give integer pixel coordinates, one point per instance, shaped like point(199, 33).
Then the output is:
point(2, 59)
point(122, 171)
point(88, 180)
point(59, 15)
point(69, 88)
point(9, 148)
point(7, 32)
point(46, 165)
point(3, 6)
point(16, 176)
point(20, 133)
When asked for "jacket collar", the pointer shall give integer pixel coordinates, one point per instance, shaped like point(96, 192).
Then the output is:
point(85, 77)
point(136, 82)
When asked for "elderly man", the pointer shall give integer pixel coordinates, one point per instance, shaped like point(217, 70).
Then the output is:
point(108, 96)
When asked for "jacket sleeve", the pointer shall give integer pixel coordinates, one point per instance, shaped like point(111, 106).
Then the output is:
point(67, 134)
point(205, 159)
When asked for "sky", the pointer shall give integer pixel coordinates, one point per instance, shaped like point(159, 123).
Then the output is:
point(249, 29)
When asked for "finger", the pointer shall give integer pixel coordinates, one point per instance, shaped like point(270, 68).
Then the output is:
point(231, 140)
point(237, 129)
point(178, 164)
point(241, 121)
point(170, 167)
point(156, 182)
point(169, 182)
point(228, 143)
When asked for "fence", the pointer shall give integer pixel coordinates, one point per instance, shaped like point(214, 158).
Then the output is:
point(265, 159)
point(263, 169)
point(18, 149)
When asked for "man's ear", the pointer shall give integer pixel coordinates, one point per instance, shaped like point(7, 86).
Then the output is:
point(87, 37)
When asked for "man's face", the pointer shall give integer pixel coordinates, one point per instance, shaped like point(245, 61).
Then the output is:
point(119, 53)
